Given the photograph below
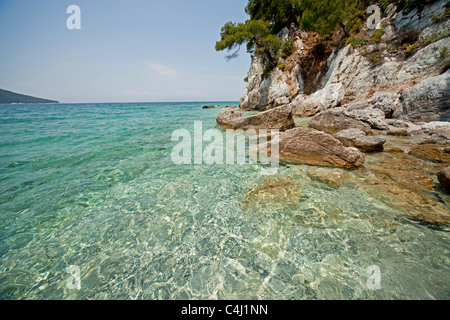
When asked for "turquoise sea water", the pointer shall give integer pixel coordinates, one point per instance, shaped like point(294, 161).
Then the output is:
point(93, 185)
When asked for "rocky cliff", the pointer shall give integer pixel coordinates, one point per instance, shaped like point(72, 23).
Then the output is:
point(403, 69)
point(380, 95)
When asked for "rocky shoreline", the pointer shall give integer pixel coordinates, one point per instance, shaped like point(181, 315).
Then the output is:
point(408, 168)
point(389, 123)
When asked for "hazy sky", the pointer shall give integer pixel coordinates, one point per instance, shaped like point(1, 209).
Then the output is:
point(126, 51)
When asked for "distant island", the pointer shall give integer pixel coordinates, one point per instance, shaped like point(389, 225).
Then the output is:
point(12, 97)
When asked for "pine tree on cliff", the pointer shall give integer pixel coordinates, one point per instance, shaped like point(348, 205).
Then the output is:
point(254, 33)
point(323, 16)
point(280, 13)
point(267, 17)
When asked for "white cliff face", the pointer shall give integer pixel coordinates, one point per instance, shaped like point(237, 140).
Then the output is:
point(387, 102)
point(425, 63)
point(278, 88)
point(357, 75)
point(360, 79)
point(428, 100)
point(351, 68)
point(251, 97)
point(419, 20)
point(275, 90)
point(328, 97)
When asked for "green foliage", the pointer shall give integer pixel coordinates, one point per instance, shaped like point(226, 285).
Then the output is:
point(407, 37)
point(375, 57)
point(246, 79)
point(255, 33)
point(279, 13)
point(444, 54)
point(269, 67)
point(429, 40)
point(384, 4)
point(355, 21)
point(436, 37)
point(411, 44)
point(442, 17)
point(282, 66)
point(287, 48)
point(356, 41)
point(377, 34)
point(401, 4)
point(412, 49)
point(267, 17)
point(323, 16)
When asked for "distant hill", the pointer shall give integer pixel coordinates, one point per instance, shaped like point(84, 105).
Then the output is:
point(12, 97)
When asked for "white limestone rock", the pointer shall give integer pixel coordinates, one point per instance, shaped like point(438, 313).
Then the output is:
point(328, 97)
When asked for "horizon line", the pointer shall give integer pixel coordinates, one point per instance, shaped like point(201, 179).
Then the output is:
point(50, 103)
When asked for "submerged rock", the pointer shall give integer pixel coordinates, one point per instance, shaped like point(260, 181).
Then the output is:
point(274, 193)
point(405, 182)
point(415, 200)
point(332, 177)
point(305, 146)
point(432, 152)
point(444, 178)
point(358, 139)
point(406, 177)
point(394, 150)
point(441, 135)
point(278, 118)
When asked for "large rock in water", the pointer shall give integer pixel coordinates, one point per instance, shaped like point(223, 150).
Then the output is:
point(358, 139)
point(444, 178)
point(278, 118)
point(227, 116)
point(372, 116)
point(335, 120)
point(303, 146)
point(328, 97)
point(353, 116)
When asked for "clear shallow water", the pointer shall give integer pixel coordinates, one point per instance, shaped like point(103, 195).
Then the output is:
point(94, 186)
